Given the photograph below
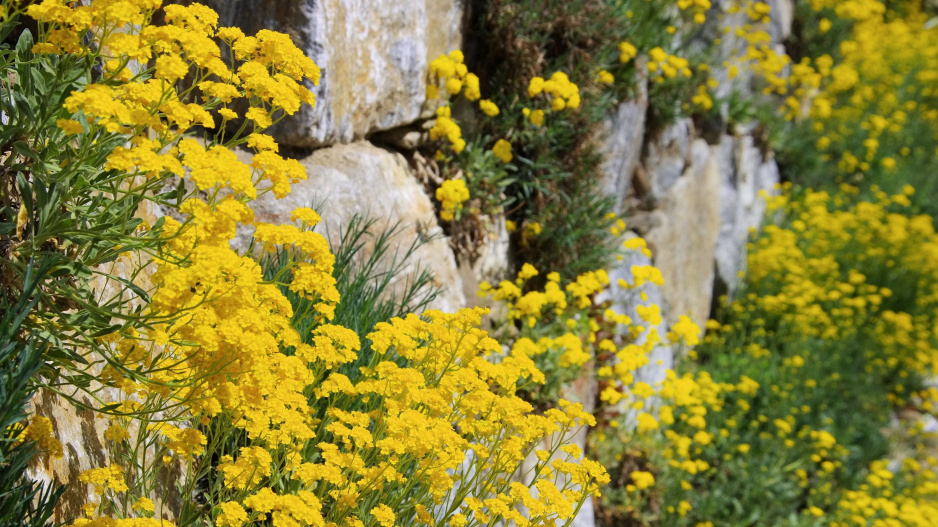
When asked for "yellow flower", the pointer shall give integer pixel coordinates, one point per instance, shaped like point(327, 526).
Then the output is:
point(232, 515)
point(306, 216)
point(384, 515)
point(488, 107)
point(686, 331)
point(642, 479)
point(260, 117)
point(532, 229)
point(627, 52)
point(170, 68)
point(452, 194)
point(111, 477)
point(646, 422)
point(144, 505)
point(229, 34)
point(252, 465)
point(453, 85)
point(40, 431)
point(472, 92)
point(502, 150)
point(69, 126)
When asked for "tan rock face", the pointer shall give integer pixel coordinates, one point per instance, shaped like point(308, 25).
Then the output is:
point(82, 438)
point(360, 178)
point(373, 55)
point(685, 240)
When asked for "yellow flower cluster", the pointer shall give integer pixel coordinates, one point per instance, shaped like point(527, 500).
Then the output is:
point(536, 117)
point(488, 107)
point(502, 150)
point(40, 431)
point(110, 478)
point(908, 496)
point(450, 70)
point(662, 65)
point(562, 92)
point(697, 7)
point(452, 194)
point(446, 127)
point(605, 77)
point(627, 52)
point(760, 57)
point(880, 91)
point(702, 98)
point(562, 329)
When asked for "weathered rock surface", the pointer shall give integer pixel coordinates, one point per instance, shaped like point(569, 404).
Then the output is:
point(624, 134)
point(666, 155)
point(491, 265)
point(360, 178)
point(743, 175)
point(684, 242)
point(781, 18)
point(373, 56)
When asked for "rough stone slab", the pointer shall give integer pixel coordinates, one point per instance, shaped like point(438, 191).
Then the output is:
point(684, 243)
point(362, 178)
point(666, 156)
point(623, 136)
point(743, 175)
point(373, 55)
point(781, 16)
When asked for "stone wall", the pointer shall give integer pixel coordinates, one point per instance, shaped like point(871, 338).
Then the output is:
point(694, 201)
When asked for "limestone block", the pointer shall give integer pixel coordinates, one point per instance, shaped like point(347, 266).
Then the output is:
point(782, 16)
point(491, 265)
point(685, 241)
point(666, 156)
point(362, 178)
point(373, 55)
point(623, 136)
point(743, 175)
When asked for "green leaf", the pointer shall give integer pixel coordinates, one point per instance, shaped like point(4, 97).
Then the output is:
point(110, 407)
point(24, 46)
point(22, 148)
point(106, 331)
point(38, 79)
point(76, 269)
point(26, 193)
point(132, 286)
